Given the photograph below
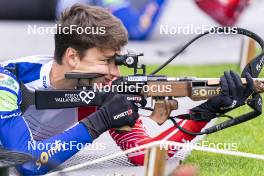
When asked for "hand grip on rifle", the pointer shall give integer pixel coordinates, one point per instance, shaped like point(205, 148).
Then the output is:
point(124, 108)
point(119, 112)
point(131, 104)
point(162, 110)
point(233, 94)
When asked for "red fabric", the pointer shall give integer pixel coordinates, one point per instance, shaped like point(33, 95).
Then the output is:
point(226, 13)
point(85, 111)
point(138, 136)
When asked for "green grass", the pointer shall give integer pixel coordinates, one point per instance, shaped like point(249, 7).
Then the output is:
point(248, 137)
point(197, 71)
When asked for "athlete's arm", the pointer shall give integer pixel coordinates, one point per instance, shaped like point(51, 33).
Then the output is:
point(15, 134)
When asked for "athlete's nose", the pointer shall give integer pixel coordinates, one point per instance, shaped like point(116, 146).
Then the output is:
point(114, 70)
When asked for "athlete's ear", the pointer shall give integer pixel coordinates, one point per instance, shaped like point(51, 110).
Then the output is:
point(72, 57)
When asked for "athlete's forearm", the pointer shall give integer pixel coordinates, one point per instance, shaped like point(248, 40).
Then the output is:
point(49, 153)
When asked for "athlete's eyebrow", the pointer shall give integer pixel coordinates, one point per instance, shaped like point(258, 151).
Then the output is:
point(109, 57)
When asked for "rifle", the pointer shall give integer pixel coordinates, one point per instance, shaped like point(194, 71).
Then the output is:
point(195, 88)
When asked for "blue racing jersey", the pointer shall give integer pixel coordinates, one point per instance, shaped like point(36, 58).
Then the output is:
point(16, 135)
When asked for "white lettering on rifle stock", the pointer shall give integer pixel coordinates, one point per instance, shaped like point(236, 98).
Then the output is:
point(73, 98)
point(205, 92)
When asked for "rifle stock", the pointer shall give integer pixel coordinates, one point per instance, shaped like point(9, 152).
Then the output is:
point(192, 89)
point(200, 89)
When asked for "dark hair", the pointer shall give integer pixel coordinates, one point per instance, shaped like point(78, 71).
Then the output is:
point(108, 32)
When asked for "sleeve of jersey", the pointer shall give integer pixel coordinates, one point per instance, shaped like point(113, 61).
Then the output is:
point(16, 136)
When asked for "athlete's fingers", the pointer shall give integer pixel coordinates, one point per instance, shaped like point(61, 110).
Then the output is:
point(231, 85)
point(238, 84)
point(250, 85)
point(224, 86)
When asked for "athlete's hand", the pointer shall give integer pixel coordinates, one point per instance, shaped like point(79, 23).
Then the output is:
point(233, 95)
point(120, 110)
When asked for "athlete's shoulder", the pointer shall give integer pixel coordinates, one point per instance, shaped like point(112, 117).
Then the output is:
point(41, 59)
point(28, 68)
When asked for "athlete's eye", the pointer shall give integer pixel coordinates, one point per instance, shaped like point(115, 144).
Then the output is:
point(110, 60)
point(106, 61)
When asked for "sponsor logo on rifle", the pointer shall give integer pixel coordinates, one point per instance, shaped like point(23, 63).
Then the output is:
point(72, 98)
point(87, 96)
point(130, 60)
point(202, 92)
point(123, 114)
point(137, 78)
point(134, 98)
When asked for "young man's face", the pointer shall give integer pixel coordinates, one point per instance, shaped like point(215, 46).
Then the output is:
point(99, 61)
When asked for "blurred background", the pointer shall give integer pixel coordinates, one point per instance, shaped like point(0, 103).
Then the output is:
point(17, 15)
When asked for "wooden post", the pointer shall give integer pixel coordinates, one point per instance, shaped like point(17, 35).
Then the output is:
point(248, 51)
point(155, 160)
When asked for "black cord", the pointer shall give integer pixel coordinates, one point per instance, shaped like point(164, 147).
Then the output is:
point(184, 130)
point(196, 133)
point(147, 108)
point(212, 31)
point(177, 53)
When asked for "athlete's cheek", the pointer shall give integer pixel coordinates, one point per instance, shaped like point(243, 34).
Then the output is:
point(114, 70)
point(93, 68)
